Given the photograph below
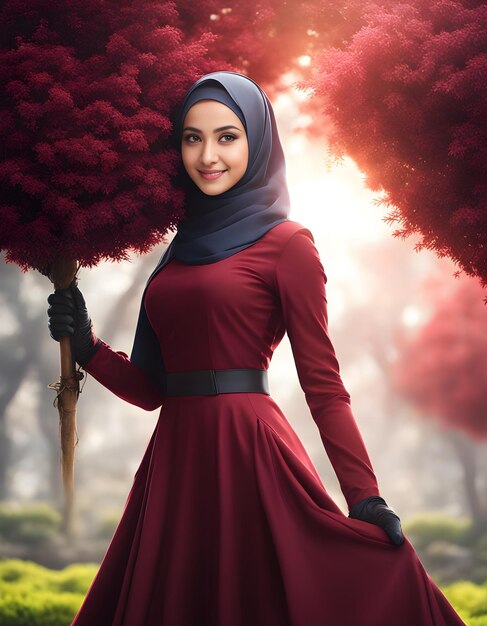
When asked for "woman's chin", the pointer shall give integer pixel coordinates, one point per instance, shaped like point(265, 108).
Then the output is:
point(212, 189)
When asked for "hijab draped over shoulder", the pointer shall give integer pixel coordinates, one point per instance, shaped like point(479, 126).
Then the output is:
point(216, 227)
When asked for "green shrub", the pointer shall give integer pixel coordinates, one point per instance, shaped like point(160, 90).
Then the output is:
point(427, 527)
point(41, 608)
point(31, 524)
point(481, 549)
point(465, 594)
point(76, 578)
point(469, 600)
point(480, 607)
point(26, 577)
point(33, 595)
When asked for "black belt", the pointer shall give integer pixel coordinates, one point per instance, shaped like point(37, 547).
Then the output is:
point(210, 382)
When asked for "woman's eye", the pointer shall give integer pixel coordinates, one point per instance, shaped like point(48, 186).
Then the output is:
point(195, 138)
point(191, 138)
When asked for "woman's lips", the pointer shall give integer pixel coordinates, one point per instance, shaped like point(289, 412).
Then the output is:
point(211, 175)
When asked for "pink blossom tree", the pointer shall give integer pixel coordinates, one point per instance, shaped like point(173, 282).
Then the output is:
point(408, 103)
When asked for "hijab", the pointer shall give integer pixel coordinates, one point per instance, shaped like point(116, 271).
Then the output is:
point(216, 227)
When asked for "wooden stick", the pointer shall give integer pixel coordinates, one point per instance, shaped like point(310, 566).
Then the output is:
point(62, 274)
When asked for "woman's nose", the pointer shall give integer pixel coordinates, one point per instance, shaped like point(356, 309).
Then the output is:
point(209, 153)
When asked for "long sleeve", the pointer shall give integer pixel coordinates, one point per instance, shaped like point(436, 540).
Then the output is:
point(300, 284)
point(116, 372)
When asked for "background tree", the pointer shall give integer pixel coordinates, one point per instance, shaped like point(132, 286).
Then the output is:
point(408, 101)
point(19, 344)
point(443, 372)
point(269, 38)
point(85, 114)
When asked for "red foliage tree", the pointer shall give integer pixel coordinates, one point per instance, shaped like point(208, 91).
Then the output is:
point(443, 370)
point(408, 101)
point(85, 118)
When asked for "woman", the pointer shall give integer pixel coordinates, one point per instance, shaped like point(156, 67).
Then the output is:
point(227, 522)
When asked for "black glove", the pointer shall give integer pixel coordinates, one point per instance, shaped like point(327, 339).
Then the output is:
point(68, 316)
point(374, 509)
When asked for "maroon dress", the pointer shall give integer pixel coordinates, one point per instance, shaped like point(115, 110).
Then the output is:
point(227, 522)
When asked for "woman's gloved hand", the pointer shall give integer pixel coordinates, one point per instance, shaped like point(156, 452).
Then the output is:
point(375, 510)
point(68, 316)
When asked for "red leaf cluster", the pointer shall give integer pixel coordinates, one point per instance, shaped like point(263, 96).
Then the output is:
point(85, 116)
point(443, 370)
point(408, 101)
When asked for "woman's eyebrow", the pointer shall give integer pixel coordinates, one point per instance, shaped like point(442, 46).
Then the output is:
point(217, 130)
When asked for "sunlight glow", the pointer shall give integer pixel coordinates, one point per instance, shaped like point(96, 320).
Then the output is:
point(331, 199)
point(411, 316)
point(304, 60)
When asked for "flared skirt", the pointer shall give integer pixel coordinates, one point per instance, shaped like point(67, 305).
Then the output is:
point(227, 523)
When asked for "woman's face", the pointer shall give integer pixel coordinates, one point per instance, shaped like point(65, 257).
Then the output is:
point(214, 147)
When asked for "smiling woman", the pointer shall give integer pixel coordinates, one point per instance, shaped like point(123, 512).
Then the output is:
point(214, 158)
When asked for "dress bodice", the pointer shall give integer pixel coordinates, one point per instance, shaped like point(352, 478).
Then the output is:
point(221, 315)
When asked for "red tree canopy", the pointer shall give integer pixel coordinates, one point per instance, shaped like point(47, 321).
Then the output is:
point(443, 370)
point(408, 101)
point(84, 115)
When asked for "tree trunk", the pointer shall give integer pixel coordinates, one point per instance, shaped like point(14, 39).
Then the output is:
point(14, 379)
point(466, 452)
